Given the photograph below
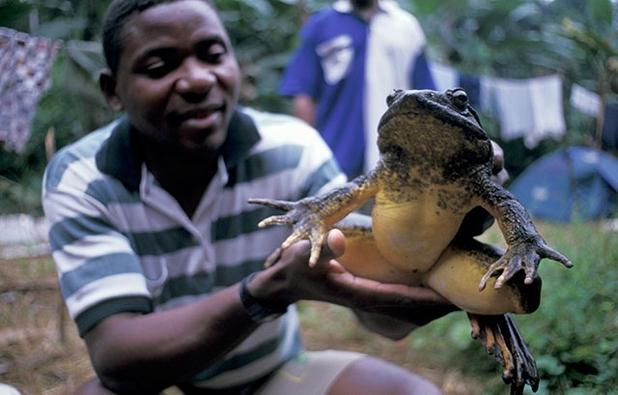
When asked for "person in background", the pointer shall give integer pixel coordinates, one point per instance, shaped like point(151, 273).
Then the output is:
point(158, 252)
point(351, 56)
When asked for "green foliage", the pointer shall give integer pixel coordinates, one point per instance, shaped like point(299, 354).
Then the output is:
point(522, 39)
point(264, 46)
point(518, 39)
point(573, 335)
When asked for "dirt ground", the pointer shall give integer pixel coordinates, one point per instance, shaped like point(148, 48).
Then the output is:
point(41, 353)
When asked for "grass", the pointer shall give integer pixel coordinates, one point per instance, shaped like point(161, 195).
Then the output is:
point(37, 358)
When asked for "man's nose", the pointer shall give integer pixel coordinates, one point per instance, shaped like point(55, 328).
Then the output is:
point(196, 77)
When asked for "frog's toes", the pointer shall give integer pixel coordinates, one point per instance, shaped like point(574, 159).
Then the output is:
point(548, 252)
point(277, 204)
point(492, 271)
point(296, 236)
point(275, 220)
point(317, 240)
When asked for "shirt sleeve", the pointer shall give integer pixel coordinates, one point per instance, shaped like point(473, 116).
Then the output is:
point(99, 272)
point(303, 74)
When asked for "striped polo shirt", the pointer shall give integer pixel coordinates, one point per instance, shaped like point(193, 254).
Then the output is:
point(122, 243)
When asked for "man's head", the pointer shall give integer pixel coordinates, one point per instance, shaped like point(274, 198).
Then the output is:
point(118, 14)
point(172, 69)
point(363, 4)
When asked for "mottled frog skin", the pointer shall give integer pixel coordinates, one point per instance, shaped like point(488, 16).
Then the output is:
point(435, 167)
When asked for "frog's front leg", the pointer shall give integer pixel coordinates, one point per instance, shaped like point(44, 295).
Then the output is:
point(526, 247)
point(312, 217)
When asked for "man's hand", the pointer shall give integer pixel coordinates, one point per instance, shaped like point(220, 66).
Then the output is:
point(291, 279)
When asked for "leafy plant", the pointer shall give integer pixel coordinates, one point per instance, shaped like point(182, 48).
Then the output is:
point(573, 335)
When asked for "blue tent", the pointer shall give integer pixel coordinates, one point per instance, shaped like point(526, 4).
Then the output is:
point(577, 183)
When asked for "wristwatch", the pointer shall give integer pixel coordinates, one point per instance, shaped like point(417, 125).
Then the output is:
point(258, 312)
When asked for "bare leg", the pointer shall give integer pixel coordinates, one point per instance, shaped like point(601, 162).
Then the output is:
point(372, 376)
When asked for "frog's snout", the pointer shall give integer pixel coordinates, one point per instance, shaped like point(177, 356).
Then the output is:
point(390, 99)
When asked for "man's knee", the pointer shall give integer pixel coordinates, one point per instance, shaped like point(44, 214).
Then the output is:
point(370, 375)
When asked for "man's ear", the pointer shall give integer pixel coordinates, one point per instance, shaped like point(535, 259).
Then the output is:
point(107, 83)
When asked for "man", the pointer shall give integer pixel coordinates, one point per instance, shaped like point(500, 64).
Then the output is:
point(351, 56)
point(155, 242)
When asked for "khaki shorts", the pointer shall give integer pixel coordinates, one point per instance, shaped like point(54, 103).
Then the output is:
point(310, 373)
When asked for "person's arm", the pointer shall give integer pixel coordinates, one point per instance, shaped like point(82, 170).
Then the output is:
point(392, 310)
point(396, 328)
point(134, 353)
point(304, 108)
point(145, 353)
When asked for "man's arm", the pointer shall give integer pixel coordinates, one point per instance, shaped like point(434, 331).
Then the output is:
point(304, 108)
point(134, 353)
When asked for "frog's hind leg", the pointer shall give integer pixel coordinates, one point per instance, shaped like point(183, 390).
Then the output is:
point(458, 271)
point(502, 339)
point(455, 276)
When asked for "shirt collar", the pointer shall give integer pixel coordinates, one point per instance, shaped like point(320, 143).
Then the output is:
point(120, 158)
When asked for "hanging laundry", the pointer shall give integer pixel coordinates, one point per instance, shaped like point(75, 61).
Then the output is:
point(530, 108)
point(513, 107)
point(585, 100)
point(25, 66)
point(548, 110)
point(610, 127)
point(445, 77)
point(487, 96)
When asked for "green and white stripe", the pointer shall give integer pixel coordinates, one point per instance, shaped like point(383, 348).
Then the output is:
point(122, 243)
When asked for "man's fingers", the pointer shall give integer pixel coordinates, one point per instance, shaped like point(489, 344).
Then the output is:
point(335, 243)
point(498, 157)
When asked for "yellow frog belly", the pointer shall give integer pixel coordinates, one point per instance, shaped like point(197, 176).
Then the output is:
point(412, 235)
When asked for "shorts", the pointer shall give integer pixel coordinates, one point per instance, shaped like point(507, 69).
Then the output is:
point(310, 373)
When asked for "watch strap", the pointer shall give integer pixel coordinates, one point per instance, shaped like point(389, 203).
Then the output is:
point(258, 312)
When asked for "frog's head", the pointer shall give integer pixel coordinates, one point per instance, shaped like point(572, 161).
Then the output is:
point(451, 107)
point(426, 120)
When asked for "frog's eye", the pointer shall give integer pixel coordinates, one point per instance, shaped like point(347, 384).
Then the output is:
point(460, 99)
point(390, 99)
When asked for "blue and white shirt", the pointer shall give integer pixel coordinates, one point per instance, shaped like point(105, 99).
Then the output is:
point(122, 243)
point(349, 67)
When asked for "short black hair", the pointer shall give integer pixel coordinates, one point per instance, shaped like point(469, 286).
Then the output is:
point(117, 15)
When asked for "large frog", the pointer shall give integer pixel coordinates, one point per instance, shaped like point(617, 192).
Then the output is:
point(435, 167)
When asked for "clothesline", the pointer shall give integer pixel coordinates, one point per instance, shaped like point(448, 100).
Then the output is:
point(531, 108)
point(528, 108)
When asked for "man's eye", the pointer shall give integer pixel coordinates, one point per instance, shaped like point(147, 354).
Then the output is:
point(157, 68)
point(214, 53)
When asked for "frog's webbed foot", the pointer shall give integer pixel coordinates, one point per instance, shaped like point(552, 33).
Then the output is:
point(522, 256)
point(304, 216)
point(502, 339)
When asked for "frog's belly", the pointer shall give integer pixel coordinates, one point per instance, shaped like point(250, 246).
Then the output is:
point(413, 235)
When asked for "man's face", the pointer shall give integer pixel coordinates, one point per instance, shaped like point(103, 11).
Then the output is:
point(177, 79)
point(363, 3)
